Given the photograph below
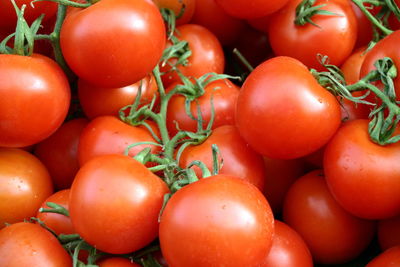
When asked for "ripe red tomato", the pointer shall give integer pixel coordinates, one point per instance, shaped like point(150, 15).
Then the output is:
point(207, 54)
point(34, 99)
point(59, 152)
point(109, 135)
point(288, 249)
point(237, 157)
point(115, 202)
point(224, 95)
point(363, 177)
point(27, 244)
point(177, 5)
point(59, 223)
point(24, 185)
point(98, 101)
point(117, 262)
point(283, 112)
point(335, 37)
point(217, 221)
point(248, 10)
point(113, 43)
point(389, 232)
point(333, 235)
point(388, 258)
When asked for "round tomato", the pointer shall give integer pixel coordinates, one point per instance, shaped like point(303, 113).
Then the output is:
point(335, 37)
point(283, 112)
point(237, 158)
point(24, 185)
point(187, 6)
point(34, 99)
point(117, 262)
point(248, 10)
point(333, 235)
point(27, 244)
point(389, 232)
point(288, 249)
point(115, 202)
point(217, 221)
point(364, 177)
point(113, 43)
point(388, 258)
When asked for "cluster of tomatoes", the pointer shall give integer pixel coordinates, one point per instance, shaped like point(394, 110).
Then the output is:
point(190, 133)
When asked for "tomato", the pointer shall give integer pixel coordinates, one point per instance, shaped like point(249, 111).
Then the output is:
point(237, 158)
point(210, 15)
point(388, 258)
point(35, 97)
point(223, 94)
point(27, 244)
point(97, 101)
point(8, 14)
point(113, 43)
point(288, 249)
point(364, 177)
point(109, 135)
point(333, 235)
point(24, 185)
point(364, 26)
point(335, 37)
point(282, 96)
point(207, 54)
point(117, 262)
point(188, 7)
point(389, 232)
point(118, 215)
point(255, 9)
point(217, 221)
point(60, 224)
point(59, 152)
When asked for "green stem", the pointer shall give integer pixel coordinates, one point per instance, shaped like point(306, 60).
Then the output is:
point(242, 59)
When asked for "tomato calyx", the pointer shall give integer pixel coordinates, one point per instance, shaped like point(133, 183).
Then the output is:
point(306, 10)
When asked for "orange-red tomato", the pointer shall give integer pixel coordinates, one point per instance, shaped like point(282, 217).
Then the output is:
point(188, 7)
point(117, 262)
point(388, 258)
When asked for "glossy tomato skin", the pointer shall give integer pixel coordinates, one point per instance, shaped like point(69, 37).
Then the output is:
point(113, 43)
point(389, 233)
point(335, 37)
point(34, 245)
point(223, 95)
point(59, 223)
point(59, 152)
point(207, 54)
point(35, 96)
point(109, 135)
point(118, 215)
point(363, 176)
point(177, 5)
point(333, 235)
point(25, 183)
point(388, 258)
point(248, 10)
point(220, 220)
point(288, 249)
point(237, 158)
point(117, 262)
point(282, 96)
point(99, 101)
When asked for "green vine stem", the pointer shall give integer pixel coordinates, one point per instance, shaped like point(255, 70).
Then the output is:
point(55, 208)
point(306, 10)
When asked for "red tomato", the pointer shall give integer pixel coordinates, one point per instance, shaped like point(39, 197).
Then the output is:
point(113, 43)
point(118, 215)
point(248, 10)
point(217, 221)
point(334, 38)
point(207, 54)
point(364, 26)
point(60, 224)
point(333, 235)
point(224, 96)
point(288, 249)
point(237, 157)
point(27, 244)
point(59, 152)
point(35, 97)
point(109, 135)
point(188, 7)
point(388, 258)
point(389, 232)
point(282, 96)
point(24, 185)
point(117, 262)
point(210, 15)
point(363, 177)
point(97, 101)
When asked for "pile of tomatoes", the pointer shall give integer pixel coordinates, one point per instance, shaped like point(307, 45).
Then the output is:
point(190, 133)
